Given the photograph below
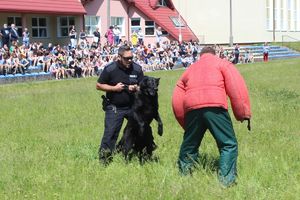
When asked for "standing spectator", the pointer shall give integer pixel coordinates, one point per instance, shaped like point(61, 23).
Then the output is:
point(110, 36)
point(140, 36)
point(236, 54)
point(200, 103)
point(158, 35)
point(82, 36)
point(82, 39)
point(14, 37)
point(266, 49)
point(25, 37)
point(73, 37)
point(117, 33)
point(119, 80)
point(5, 34)
point(97, 36)
point(134, 38)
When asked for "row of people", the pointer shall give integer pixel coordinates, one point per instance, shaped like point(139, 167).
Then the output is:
point(235, 56)
point(9, 35)
point(151, 57)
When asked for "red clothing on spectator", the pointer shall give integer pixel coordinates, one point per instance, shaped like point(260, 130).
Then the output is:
point(110, 36)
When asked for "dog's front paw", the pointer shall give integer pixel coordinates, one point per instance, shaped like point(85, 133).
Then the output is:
point(160, 130)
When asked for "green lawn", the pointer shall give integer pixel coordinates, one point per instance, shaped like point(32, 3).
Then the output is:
point(50, 132)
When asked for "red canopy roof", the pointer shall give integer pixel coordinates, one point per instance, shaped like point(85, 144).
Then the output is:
point(161, 16)
point(42, 6)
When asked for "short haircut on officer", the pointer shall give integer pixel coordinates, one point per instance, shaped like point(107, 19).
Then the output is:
point(122, 49)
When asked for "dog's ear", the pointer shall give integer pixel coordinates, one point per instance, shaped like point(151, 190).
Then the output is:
point(157, 80)
point(143, 83)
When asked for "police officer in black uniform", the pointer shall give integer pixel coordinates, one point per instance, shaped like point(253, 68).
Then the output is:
point(119, 80)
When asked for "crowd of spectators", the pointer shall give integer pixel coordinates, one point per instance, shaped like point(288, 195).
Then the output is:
point(87, 59)
point(84, 58)
point(234, 55)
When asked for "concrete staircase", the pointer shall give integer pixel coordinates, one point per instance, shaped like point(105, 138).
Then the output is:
point(33, 74)
point(276, 52)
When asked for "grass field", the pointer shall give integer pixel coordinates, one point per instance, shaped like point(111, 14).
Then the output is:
point(50, 132)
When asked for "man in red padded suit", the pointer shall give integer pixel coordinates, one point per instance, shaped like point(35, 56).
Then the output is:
point(200, 102)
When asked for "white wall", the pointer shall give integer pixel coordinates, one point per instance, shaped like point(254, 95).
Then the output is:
point(210, 20)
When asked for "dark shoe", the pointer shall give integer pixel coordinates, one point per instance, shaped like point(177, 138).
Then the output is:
point(105, 157)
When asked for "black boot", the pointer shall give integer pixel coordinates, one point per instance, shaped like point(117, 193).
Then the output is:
point(105, 156)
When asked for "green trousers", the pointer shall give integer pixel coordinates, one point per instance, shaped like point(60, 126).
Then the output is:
point(218, 122)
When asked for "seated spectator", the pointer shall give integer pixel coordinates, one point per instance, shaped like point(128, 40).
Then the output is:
point(248, 57)
point(46, 60)
point(40, 61)
point(2, 64)
point(61, 69)
point(9, 65)
point(77, 68)
point(70, 70)
point(16, 67)
point(89, 70)
point(24, 63)
point(53, 69)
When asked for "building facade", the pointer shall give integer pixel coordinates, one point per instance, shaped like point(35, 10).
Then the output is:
point(46, 20)
point(132, 15)
point(252, 21)
point(50, 20)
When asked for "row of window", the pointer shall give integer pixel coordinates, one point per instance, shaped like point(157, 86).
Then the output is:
point(92, 22)
point(40, 25)
point(286, 15)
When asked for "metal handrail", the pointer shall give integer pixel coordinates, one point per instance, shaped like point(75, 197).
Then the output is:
point(290, 37)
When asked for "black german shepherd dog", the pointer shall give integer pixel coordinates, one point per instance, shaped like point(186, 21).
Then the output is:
point(137, 138)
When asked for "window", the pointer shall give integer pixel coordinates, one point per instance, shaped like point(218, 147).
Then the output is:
point(64, 24)
point(269, 15)
point(162, 3)
point(149, 27)
point(295, 15)
point(165, 33)
point(39, 27)
point(178, 22)
point(282, 21)
point(135, 24)
point(119, 21)
point(91, 23)
point(18, 22)
point(289, 14)
point(277, 15)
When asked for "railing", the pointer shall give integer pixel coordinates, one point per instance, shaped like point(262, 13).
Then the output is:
point(288, 40)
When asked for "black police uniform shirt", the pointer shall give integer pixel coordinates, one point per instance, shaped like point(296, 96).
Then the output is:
point(113, 74)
